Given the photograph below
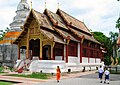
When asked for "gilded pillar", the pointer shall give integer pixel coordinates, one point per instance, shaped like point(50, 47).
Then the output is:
point(40, 49)
point(27, 51)
point(52, 46)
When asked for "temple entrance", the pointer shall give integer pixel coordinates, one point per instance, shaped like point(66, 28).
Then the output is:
point(34, 48)
point(46, 52)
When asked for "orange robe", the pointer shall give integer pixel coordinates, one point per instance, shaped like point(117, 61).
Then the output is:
point(58, 74)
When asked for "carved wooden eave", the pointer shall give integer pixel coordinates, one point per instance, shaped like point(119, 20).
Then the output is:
point(79, 37)
point(46, 11)
point(71, 24)
point(59, 12)
point(60, 33)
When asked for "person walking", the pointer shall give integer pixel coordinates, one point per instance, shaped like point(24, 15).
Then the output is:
point(58, 74)
point(107, 76)
point(100, 71)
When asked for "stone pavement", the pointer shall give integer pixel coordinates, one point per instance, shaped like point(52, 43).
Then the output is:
point(79, 78)
point(78, 81)
point(90, 79)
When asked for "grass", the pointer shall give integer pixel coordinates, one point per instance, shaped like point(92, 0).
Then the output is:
point(1, 68)
point(5, 83)
point(33, 75)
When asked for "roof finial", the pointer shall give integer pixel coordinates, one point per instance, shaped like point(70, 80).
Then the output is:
point(30, 4)
point(45, 4)
point(58, 4)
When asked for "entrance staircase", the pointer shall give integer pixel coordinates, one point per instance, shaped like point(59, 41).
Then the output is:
point(22, 65)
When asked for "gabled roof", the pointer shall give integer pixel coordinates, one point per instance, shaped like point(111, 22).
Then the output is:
point(42, 19)
point(52, 36)
point(44, 23)
point(71, 21)
point(48, 20)
point(87, 37)
point(66, 34)
point(56, 19)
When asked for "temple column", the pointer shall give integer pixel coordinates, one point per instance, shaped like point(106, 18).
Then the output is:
point(66, 53)
point(27, 51)
point(52, 47)
point(52, 53)
point(88, 55)
point(18, 51)
point(40, 49)
point(78, 52)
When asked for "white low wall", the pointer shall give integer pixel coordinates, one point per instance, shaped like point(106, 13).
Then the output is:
point(73, 60)
point(92, 60)
point(84, 59)
point(47, 66)
point(58, 58)
point(98, 60)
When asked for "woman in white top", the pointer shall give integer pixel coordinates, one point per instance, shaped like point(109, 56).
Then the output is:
point(107, 76)
point(100, 71)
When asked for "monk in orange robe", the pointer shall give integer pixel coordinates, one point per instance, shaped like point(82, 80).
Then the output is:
point(58, 73)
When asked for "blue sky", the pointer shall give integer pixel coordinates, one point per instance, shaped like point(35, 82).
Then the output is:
point(98, 15)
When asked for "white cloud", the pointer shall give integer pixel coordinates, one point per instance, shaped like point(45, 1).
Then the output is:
point(99, 15)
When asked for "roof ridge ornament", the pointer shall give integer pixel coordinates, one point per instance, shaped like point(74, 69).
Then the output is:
point(45, 4)
point(58, 4)
point(30, 4)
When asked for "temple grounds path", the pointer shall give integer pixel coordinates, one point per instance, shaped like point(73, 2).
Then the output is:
point(79, 78)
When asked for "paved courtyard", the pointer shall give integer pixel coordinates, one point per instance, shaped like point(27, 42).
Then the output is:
point(90, 79)
point(80, 78)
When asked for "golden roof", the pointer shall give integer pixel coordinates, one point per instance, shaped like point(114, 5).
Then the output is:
point(12, 34)
point(9, 37)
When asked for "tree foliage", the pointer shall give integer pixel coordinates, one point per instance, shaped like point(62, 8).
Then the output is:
point(107, 43)
point(100, 37)
point(110, 43)
point(118, 23)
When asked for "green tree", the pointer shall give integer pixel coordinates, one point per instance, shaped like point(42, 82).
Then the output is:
point(107, 44)
point(114, 38)
point(118, 24)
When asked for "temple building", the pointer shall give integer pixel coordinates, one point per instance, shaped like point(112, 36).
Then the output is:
point(57, 36)
point(49, 39)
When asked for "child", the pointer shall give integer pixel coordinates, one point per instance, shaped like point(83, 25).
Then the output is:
point(100, 71)
point(107, 74)
point(58, 73)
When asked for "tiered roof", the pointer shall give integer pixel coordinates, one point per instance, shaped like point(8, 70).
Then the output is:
point(58, 26)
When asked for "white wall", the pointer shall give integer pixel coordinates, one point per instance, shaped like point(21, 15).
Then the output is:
point(58, 57)
point(84, 59)
point(98, 60)
point(47, 66)
point(92, 60)
point(72, 59)
point(79, 52)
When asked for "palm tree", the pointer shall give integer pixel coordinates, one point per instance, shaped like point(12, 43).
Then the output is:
point(113, 38)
